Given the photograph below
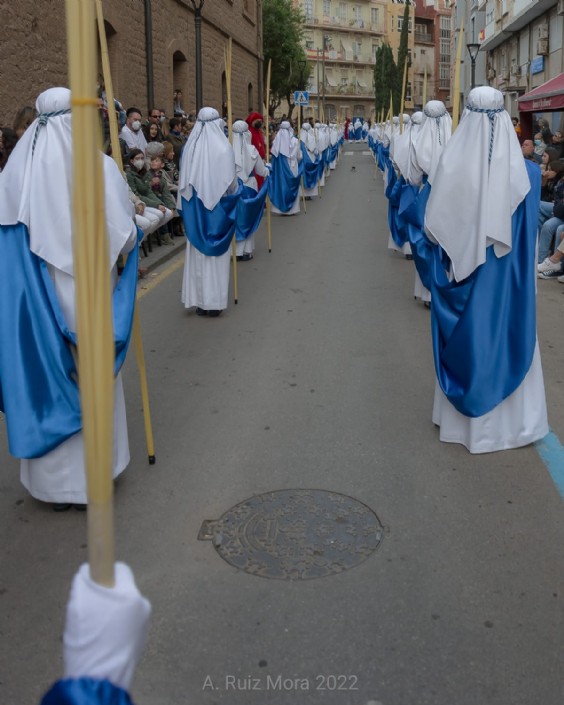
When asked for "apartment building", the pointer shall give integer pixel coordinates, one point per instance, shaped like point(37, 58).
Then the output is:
point(432, 51)
point(522, 43)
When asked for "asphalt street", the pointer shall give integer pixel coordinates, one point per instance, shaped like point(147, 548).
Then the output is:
point(321, 378)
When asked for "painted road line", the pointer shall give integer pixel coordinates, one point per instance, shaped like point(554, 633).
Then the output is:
point(148, 286)
point(551, 453)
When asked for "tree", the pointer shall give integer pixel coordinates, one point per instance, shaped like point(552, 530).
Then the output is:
point(402, 57)
point(282, 41)
point(385, 71)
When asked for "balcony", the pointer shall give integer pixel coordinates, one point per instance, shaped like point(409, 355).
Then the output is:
point(423, 38)
point(360, 26)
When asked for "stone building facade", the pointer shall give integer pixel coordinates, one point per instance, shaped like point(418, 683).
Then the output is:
point(33, 52)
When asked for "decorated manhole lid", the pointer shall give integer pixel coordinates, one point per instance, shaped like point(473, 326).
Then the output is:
point(295, 534)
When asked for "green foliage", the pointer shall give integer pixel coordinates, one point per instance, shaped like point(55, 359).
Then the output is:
point(402, 58)
point(282, 24)
point(385, 71)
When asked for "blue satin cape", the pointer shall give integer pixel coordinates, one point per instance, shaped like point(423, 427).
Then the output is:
point(310, 167)
point(484, 328)
point(250, 208)
point(38, 388)
point(284, 186)
point(86, 691)
point(211, 232)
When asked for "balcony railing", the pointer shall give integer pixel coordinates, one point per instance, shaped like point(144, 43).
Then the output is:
point(351, 25)
point(424, 37)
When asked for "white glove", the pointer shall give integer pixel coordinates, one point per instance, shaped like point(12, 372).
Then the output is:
point(106, 628)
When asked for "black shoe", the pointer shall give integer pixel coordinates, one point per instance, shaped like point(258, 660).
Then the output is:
point(61, 507)
point(80, 507)
point(213, 314)
point(427, 304)
point(409, 257)
point(201, 312)
point(245, 258)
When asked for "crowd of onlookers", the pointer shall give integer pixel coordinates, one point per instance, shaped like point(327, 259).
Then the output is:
point(547, 150)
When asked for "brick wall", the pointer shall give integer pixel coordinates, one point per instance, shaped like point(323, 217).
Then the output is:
point(33, 52)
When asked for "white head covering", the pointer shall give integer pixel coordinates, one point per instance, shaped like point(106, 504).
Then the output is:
point(208, 162)
point(480, 181)
point(308, 138)
point(36, 186)
point(245, 154)
point(435, 132)
point(414, 174)
point(284, 142)
point(401, 150)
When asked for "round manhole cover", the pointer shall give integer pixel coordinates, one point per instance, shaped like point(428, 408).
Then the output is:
point(295, 534)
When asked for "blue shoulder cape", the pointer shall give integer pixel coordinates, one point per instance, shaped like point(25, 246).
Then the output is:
point(86, 691)
point(484, 328)
point(211, 232)
point(250, 208)
point(38, 388)
point(310, 167)
point(284, 186)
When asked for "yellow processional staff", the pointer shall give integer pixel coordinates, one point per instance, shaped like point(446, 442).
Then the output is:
point(267, 120)
point(227, 53)
point(116, 154)
point(93, 289)
point(456, 92)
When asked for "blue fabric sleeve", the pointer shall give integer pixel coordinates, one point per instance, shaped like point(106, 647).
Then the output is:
point(85, 691)
point(250, 209)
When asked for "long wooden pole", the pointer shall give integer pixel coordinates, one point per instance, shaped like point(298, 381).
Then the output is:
point(116, 154)
point(403, 87)
point(267, 118)
point(228, 52)
point(425, 88)
point(300, 146)
point(93, 289)
point(456, 92)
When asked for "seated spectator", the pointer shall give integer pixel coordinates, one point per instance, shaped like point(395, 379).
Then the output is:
point(550, 176)
point(152, 133)
point(24, 117)
point(528, 149)
point(8, 140)
point(540, 146)
point(159, 181)
point(557, 144)
point(170, 168)
point(153, 149)
point(131, 133)
point(553, 214)
point(136, 174)
point(176, 138)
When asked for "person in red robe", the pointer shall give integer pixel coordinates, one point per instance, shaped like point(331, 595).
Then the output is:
point(347, 123)
point(255, 122)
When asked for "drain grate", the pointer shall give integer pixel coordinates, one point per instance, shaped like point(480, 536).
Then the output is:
point(295, 534)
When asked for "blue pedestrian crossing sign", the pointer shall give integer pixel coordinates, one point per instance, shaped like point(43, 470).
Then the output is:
point(301, 98)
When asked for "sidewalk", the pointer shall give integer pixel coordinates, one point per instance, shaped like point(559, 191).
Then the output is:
point(160, 254)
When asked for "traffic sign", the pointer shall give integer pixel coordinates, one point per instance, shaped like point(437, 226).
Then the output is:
point(301, 98)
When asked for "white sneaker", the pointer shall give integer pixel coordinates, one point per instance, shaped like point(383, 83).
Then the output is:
point(561, 279)
point(548, 265)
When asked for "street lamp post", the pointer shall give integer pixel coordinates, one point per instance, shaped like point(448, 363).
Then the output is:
point(473, 49)
point(198, 4)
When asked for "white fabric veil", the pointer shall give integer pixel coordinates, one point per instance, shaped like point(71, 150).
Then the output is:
point(414, 174)
point(308, 138)
point(480, 181)
point(284, 142)
point(207, 163)
point(432, 138)
point(245, 154)
point(37, 184)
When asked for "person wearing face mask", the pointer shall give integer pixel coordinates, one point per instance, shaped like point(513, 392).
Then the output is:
point(255, 122)
point(131, 133)
point(540, 146)
point(136, 175)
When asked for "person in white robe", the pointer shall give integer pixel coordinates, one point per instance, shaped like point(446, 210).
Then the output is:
point(482, 212)
point(307, 137)
point(37, 184)
point(431, 139)
point(207, 167)
point(286, 145)
point(247, 163)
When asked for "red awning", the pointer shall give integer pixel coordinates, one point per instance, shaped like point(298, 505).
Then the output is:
point(549, 96)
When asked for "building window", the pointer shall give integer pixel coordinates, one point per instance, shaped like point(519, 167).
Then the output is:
point(444, 75)
point(326, 8)
point(374, 15)
point(400, 24)
point(343, 10)
point(308, 10)
point(309, 44)
point(408, 91)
